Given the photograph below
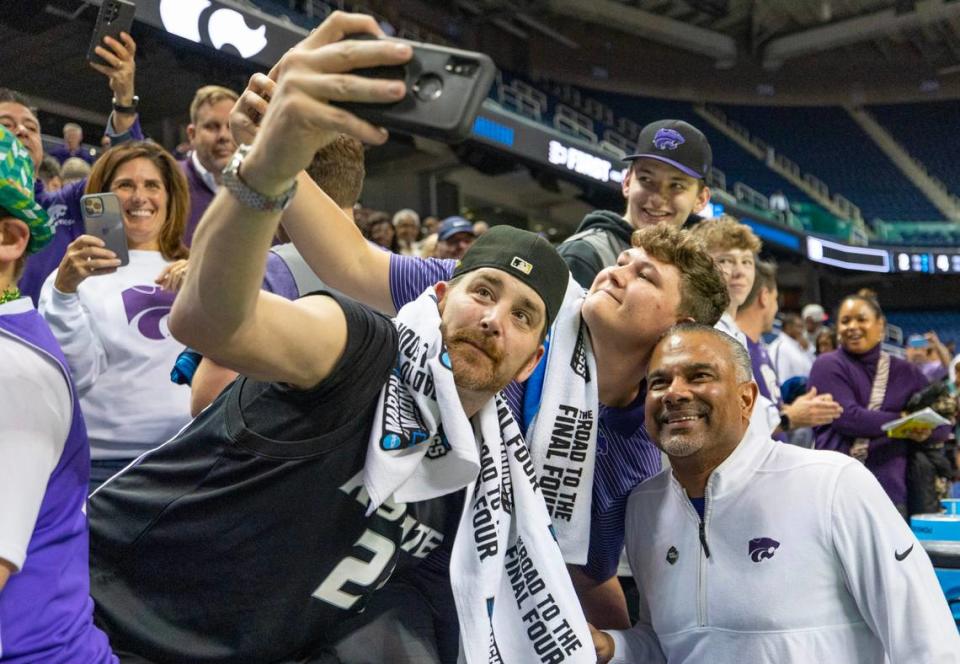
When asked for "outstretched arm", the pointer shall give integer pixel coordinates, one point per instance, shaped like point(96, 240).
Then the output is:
point(221, 310)
point(120, 71)
point(328, 240)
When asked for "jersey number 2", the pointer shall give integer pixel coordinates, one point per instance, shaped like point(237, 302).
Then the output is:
point(354, 570)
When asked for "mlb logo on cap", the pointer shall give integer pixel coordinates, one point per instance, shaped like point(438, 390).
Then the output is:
point(519, 264)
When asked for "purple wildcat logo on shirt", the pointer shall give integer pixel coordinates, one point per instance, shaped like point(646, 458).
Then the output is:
point(149, 307)
point(668, 139)
point(762, 548)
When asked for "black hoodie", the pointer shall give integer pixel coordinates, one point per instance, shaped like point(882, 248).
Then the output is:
point(600, 228)
point(599, 239)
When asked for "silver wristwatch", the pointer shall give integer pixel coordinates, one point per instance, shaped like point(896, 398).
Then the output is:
point(247, 196)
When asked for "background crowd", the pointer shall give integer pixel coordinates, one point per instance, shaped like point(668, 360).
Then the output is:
point(829, 380)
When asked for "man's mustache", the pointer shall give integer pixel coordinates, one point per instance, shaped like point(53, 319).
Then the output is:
point(690, 410)
point(482, 341)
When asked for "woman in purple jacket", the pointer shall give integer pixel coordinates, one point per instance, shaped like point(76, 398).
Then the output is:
point(848, 373)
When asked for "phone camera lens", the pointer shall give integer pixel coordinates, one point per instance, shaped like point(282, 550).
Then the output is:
point(428, 87)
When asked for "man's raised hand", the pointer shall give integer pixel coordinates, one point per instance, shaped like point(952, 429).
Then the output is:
point(298, 120)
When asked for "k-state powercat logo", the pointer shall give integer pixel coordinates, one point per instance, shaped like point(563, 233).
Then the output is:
point(148, 307)
point(197, 21)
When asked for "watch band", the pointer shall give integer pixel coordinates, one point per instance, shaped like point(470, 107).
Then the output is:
point(247, 196)
point(132, 108)
point(784, 422)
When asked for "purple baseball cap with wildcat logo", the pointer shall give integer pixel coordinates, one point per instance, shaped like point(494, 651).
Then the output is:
point(677, 143)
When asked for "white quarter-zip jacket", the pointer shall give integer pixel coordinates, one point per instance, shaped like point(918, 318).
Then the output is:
point(800, 557)
point(113, 332)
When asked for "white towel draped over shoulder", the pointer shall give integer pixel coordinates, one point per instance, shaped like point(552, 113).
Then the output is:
point(563, 434)
point(515, 601)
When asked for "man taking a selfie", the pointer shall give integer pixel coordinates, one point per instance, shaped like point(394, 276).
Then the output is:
point(336, 460)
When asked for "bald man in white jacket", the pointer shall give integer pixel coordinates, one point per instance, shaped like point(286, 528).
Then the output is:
point(748, 550)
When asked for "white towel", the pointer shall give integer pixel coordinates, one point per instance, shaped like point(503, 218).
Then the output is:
point(563, 434)
point(515, 601)
point(408, 422)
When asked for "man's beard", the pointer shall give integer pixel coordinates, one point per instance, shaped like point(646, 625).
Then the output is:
point(684, 444)
point(681, 445)
point(470, 374)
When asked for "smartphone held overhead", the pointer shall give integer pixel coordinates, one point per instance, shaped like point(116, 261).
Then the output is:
point(445, 87)
point(103, 218)
point(114, 17)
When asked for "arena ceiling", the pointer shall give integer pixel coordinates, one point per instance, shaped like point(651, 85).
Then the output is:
point(739, 51)
point(748, 51)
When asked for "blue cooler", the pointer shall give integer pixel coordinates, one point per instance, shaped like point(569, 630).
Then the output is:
point(940, 536)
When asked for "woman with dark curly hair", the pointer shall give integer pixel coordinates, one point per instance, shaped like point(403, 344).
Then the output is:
point(873, 387)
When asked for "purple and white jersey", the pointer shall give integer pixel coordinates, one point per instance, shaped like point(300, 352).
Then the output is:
point(625, 454)
point(46, 614)
point(764, 372)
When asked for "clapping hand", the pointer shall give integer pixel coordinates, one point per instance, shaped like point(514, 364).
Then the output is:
point(172, 276)
point(812, 409)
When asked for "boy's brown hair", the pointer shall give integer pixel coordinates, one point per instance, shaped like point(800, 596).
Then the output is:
point(724, 233)
point(703, 290)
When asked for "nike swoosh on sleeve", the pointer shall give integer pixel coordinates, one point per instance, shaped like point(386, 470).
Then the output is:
point(901, 556)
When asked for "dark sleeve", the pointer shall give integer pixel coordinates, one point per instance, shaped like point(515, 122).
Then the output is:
point(583, 261)
point(367, 359)
point(134, 133)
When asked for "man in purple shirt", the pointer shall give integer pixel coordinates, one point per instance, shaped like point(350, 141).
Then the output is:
point(211, 146)
point(46, 614)
point(63, 206)
point(754, 318)
point(72, 138)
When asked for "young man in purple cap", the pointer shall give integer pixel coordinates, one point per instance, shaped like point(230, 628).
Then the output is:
point(664, 184)
point(454, 238)
point(45, 610)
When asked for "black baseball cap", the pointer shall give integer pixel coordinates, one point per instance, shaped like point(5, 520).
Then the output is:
point(677, 143)
point(525, 256)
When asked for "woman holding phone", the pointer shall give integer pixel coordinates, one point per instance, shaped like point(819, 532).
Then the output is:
point(111, 319)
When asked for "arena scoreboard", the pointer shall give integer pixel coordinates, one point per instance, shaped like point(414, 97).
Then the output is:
point(939, 261)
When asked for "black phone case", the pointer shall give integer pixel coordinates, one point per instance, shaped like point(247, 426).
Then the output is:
point(115, 16)
point(445, 87)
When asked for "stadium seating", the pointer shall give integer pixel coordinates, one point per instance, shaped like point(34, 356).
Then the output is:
point(945, 323)
point(917, 127)
point(872, 182)
point(825, 148)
